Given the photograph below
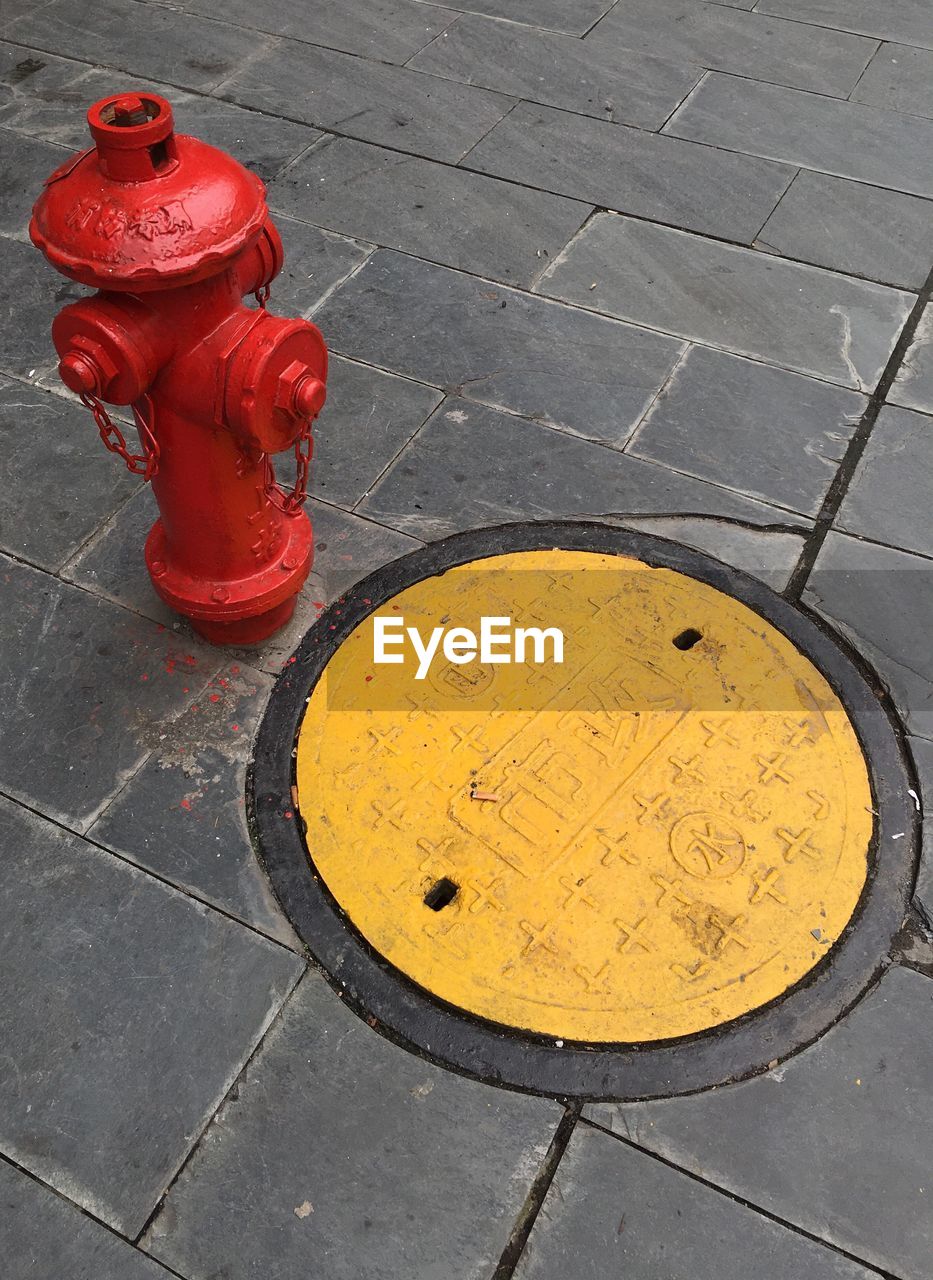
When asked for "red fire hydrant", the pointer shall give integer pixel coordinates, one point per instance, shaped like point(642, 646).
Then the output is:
point(174, 234)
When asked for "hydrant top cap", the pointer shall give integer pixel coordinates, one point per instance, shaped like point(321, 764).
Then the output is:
point(145, 208)
point(130, 122)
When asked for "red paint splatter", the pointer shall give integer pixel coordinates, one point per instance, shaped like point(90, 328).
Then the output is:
point(368, 678)
point(170, 665)
point(289, 814)
point(186, 804)
point(191, 660)
point(215, 697)
point(144, 676)
point(234, 671)
point(236, 728)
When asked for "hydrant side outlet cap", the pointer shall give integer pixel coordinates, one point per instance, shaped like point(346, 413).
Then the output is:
point(145, 208)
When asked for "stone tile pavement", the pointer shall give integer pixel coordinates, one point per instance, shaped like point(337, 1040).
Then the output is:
point(663, 263)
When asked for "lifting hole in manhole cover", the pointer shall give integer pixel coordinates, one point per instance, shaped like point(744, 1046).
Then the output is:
point(609, 875)
point(441, 894)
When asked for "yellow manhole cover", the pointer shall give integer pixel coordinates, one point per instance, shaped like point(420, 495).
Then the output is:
point(664, 831)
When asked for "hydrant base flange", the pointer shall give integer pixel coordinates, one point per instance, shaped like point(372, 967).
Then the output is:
point(252, 602)
point(247, 631)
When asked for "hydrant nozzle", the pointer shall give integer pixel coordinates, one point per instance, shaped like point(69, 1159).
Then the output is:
point(173, 234)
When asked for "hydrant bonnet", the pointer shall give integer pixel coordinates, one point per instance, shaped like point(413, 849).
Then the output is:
point(145, 208)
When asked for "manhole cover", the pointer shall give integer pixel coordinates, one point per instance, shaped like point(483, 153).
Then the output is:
point(579, 811)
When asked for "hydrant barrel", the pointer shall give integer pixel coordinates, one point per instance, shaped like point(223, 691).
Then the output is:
point(173, 234)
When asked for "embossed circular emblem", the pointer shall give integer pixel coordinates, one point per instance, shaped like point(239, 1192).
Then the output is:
point(706, 845)
point(670, 828)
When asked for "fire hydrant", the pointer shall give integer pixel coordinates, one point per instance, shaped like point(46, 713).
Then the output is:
point(175, 234)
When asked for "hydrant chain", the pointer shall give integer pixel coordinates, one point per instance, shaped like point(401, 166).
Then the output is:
point(292, 502)
point(144, 464)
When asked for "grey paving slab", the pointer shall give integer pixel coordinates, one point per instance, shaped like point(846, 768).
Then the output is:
point(836, 1140)
point(768, 554)
point(386, 30)
point(559, 71)
point(849, 139)
point(25, 73)
point(346, 549)
point(343, 1155)
point(370, 416)
point(785, 313)
point(26, 165)
point(262, 143)
point(615, 1212)
point(42, 1236)
point(648, 175)
point(913, 386)
point(471, 466)
point(904, 20)
point(881, 600)
point(16, 8)
point(888, 497)
point(32, 296)
point(369, 100)
point(553, 15)
point(901, 78)
point(56, 486)
point(39, 98)
point(580, 372)
point(850, 227)
point(146, 39)
point(86, 689)
point(745, 44)
point(183, 815)
point(316, 261)
point(111, 565)
point(922, 752)
point(129, 1011)
point(480, 224)
point(764, 431)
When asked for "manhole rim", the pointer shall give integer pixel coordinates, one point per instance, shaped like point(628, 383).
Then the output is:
point(390, 1001)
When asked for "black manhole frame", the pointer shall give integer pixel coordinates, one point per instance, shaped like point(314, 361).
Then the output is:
point(392, 1003)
